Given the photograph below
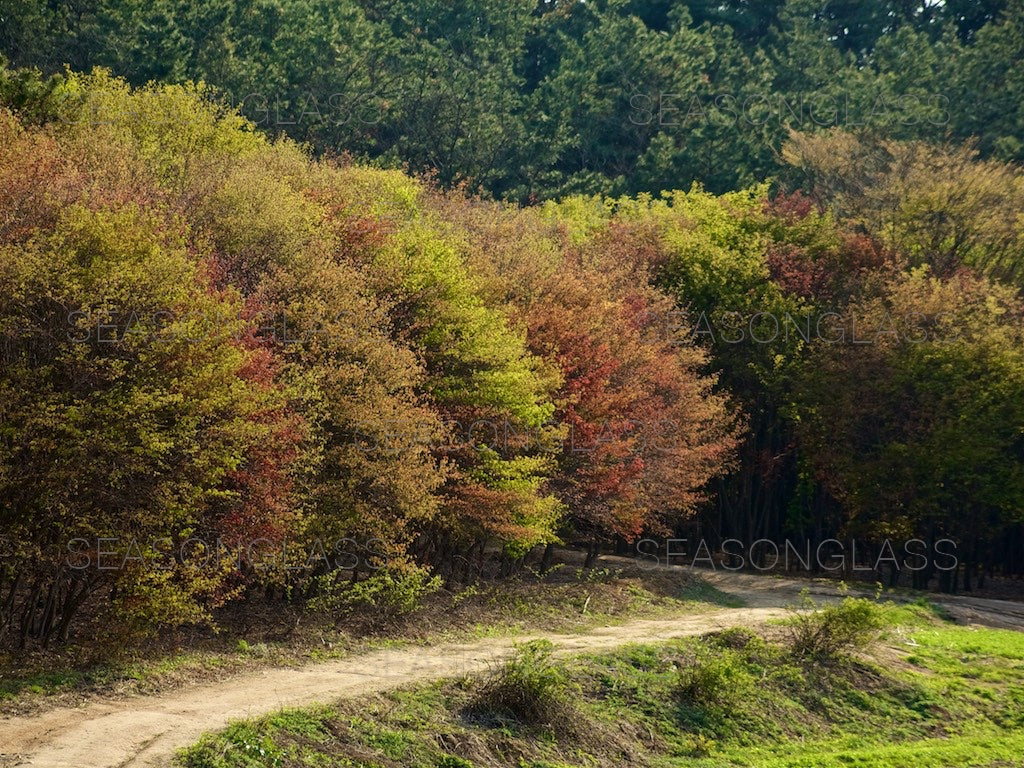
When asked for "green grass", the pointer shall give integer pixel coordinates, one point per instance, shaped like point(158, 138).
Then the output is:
point(991, 750)
point(928, 694)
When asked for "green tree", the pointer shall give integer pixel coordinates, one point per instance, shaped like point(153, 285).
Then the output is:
point(988, 87)
point(913, 418)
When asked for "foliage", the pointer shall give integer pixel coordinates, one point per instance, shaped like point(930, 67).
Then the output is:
point(826, 632)
point(345, 355)
point(129, 418)
point(916, 431)
point(310, 350)
point(531, 101)
point(388, 591)
point(644, 430)
point(716, 680)
point(939, 206)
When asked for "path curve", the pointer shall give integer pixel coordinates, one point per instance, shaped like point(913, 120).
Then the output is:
point(147, 730)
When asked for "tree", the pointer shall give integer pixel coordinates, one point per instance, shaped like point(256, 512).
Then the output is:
point(275, 236)
point(136, 416)
point(941, 206)
point(915, 425)
point(536, 100)
point(988, 86)
point(645, 431)
point(479, 373)
point(629, 108)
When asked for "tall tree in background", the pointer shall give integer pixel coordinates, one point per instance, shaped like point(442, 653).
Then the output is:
point(989, 86)
point(535, 100)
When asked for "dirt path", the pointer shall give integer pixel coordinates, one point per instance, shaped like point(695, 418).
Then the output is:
point(772, 591)
point(146, 730)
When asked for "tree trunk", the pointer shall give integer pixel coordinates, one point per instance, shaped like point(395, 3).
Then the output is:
point(548, 556)
point(593, 549)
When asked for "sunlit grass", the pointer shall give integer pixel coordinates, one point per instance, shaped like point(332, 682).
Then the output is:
point(926, 694)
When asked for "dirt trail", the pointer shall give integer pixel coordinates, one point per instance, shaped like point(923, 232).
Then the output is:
point(146, 730)
point(776, 591)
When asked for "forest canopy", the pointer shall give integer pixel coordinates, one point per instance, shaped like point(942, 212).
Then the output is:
point(530, 100)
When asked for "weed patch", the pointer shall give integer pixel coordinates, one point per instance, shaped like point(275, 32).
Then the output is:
point(529, 689)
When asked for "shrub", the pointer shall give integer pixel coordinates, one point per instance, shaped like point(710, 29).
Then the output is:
point(529, 688)
point(390, 592)
point(701, 745)
point(712, 680)
point(734, 638)
point(829, 632)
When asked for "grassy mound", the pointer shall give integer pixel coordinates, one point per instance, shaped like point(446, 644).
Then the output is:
point(926, 694)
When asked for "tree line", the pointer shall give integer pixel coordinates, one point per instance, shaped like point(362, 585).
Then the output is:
point(209, 336)
point(537, 99)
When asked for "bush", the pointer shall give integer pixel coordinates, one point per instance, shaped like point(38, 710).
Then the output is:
point(529, 689)
point(829, 632)
point(701, 745)
point(734, 638)
point(389, 592)
point(712, 680)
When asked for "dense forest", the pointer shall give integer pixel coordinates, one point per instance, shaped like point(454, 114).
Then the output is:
point(331, 299)
point(530, 100)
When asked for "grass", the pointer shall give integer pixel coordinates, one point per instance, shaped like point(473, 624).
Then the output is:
point(530, 690)
point(32, 682)
point(568, 599)
point(926, 694)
